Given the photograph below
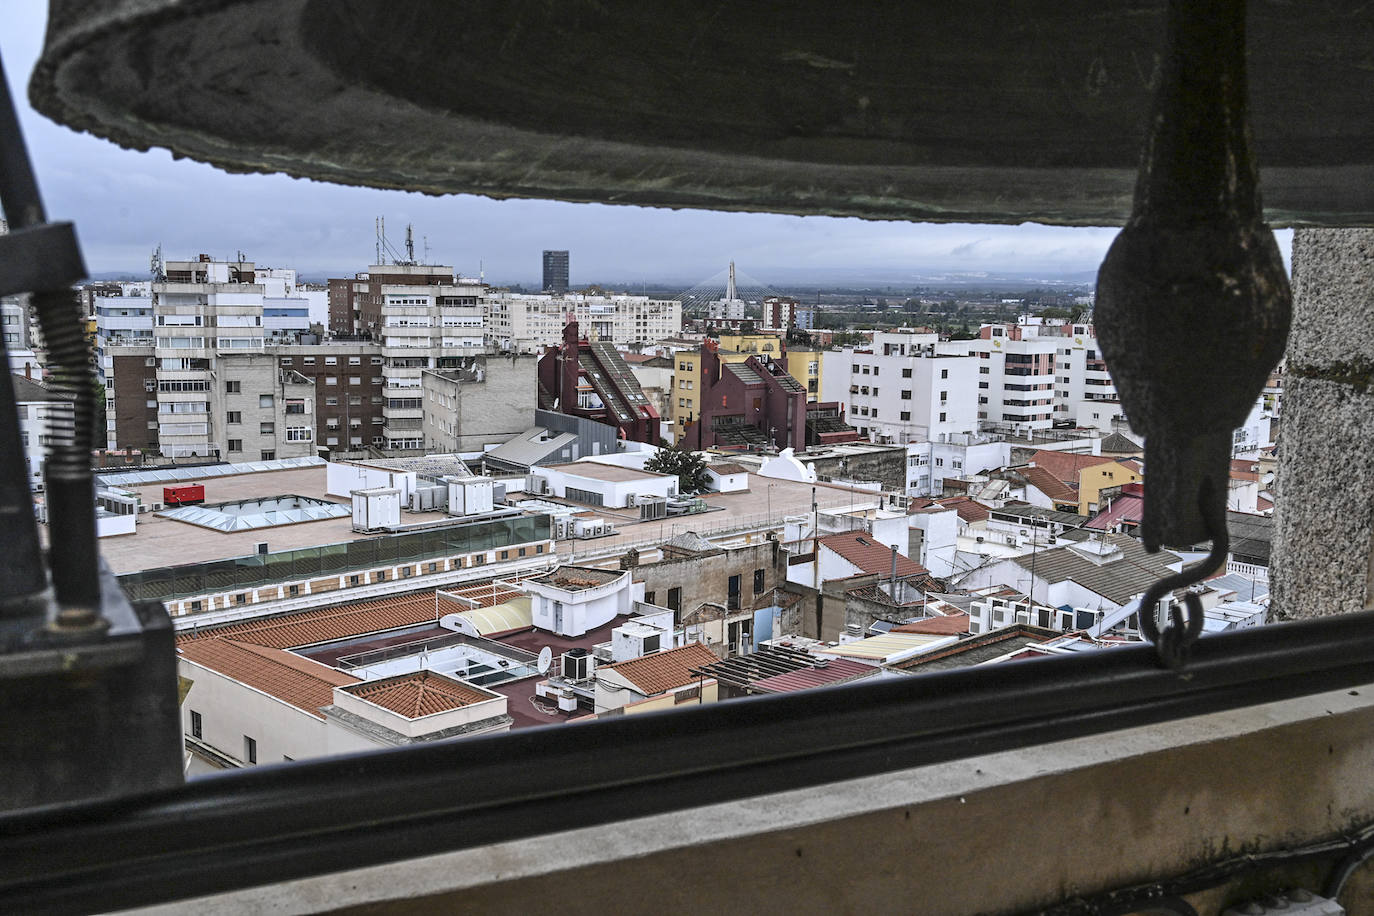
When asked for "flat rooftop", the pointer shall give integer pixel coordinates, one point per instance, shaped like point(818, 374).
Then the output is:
point(159, 541)
point(599, 471)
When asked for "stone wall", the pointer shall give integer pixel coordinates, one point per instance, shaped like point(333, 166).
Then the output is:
point(887, 466)
point(1324, 514)
point(705, 577)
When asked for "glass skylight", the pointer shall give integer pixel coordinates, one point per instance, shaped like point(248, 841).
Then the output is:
point(248, 514)
point(175, 474)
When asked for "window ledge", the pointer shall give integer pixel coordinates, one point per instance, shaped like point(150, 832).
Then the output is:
point(1000, 832)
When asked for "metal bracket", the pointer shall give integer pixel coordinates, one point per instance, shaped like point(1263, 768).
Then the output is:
point(40, 258)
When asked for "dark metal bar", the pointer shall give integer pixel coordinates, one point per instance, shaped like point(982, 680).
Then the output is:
point(276, 823)
point(70, 491)
point(18, 187)
point(22, 574)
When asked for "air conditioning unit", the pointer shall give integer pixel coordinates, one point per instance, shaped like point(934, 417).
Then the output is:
point(578, 665)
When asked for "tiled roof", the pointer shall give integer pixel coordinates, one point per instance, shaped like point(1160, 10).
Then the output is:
point(1129, 509)
point(27, 389)
point(837, 671)
point(1118, 580)
point(1064, 466)
point(968, 510)
point(304, 628)
point(653, 674)
point(728, 467)
point(978, 649)
point(950, 625)
point(870, 555)
point(1117, 444)
point(1251, 536)
point(1047, 483)
point(303, 683)
point(422, 693)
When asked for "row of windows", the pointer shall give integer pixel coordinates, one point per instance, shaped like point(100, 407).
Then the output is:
point(330, 360)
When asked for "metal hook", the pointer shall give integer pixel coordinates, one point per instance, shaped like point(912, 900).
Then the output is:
point(1174, 642)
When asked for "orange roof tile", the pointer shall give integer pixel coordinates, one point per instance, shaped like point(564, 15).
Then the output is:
point(422, 693)
point(324, 624)
point(304, 628)
point(305, 684)
point(871, 556)
point(662, 671)
point(1065, 467)
point(1047, 483)
point(969, 510)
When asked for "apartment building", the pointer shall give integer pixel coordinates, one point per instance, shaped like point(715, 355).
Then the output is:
point(259, 411)
point(485, 400)
point(347, 377)
point(38, 408)
point(904, 389)
point(21, 339)
point(355, 303)
point(805, 364)
point(1016, 377)
point(170, 351)
point(784, 312)
point(524, 323)
point(432, 326)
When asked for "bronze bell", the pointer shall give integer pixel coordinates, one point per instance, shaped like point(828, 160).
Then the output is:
point(979, 111)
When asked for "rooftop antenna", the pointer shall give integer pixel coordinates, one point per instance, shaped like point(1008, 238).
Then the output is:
point(155, 267)
point(481, 273)
point(410, 244)
point(377, 225)
point(426, 241)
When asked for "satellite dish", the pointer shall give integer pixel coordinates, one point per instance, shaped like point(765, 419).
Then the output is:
point(545, 659)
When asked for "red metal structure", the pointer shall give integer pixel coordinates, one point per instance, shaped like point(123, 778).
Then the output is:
point(589, 379)
point(186, 494)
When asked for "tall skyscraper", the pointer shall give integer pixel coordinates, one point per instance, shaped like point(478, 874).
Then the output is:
point(556, 271)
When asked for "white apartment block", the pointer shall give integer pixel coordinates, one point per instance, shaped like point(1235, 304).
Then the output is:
point(21, 337)
point(190, 327)
point(1080, 371)
point(903, 389)
point(929, 463)
point(424, 327)
point(1015, 378)
point(525, 323)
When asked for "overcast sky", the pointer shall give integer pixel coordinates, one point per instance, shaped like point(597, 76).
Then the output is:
point(126, 203)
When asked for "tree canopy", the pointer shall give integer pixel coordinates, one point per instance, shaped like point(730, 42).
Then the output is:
point(689, 467)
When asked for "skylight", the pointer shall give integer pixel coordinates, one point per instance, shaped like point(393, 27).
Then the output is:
point(248, 514)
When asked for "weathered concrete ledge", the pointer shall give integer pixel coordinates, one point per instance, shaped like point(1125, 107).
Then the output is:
point(993, 834)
